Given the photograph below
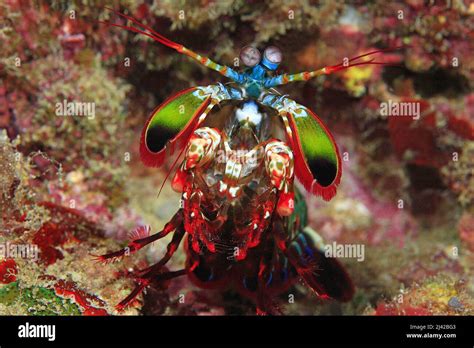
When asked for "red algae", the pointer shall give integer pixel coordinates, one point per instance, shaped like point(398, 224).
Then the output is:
point(8, 271)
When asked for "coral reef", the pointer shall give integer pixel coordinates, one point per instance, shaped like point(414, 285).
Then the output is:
point(53, 271)
point(436, 296)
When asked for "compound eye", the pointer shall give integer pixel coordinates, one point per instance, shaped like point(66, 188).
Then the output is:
point(250, 56)
point(273, 55)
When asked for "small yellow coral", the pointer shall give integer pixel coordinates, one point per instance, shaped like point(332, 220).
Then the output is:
point(356, 78)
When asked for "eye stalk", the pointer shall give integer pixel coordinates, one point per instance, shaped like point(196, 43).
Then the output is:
point(250, 56)
point(272, 57)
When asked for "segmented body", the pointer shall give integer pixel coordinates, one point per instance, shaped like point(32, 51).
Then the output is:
point(238, 207)
point(240, 231)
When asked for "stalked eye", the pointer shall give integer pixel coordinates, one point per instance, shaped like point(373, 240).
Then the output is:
point(273, 55)
point(250, 56)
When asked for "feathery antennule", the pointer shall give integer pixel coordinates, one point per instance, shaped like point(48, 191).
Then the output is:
point(152, 33)
point(346, 64)
point(333, 68)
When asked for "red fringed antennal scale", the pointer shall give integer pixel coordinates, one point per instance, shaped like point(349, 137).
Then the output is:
point(302, 170)
point(159, 139)
point(310, 184)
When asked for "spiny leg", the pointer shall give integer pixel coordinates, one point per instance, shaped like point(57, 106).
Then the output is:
point(305, 251)
point(265, 304)
point(137, 244)
point(148, 275)
point(261, 307)
point(282, 242)
point(150, 272)
point(161, 277)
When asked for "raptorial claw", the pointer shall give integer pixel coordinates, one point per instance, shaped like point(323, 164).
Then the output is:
point(201, 147)
point(279, 165)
